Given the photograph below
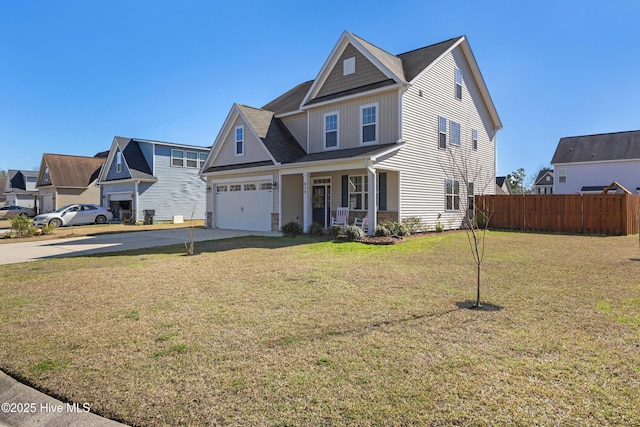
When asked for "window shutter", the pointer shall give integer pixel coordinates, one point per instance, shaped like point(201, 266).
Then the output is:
point(345, 190)
point(382, 191)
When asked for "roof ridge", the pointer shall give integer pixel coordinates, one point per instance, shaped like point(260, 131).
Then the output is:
point(431, 45)
point(601, 134)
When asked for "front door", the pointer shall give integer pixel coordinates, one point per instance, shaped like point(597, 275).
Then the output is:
point(321, 202)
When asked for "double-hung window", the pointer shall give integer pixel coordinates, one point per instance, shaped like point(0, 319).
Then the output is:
point(192, 159)
point(455, 132)
point(562, 175)
point(458, 84)
point(118, 162)
point(452, 195)
point(358, 192)
point(331, 130)
point(239, 138)
point(442, 133)
point(202, 157)
point(470, 199)
point(474, 139)
point(177, 158)
point(369, 121)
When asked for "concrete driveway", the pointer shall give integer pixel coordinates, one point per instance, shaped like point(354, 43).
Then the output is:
point(30, 251)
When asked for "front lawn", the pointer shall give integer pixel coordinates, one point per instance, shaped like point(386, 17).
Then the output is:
point(278, 331)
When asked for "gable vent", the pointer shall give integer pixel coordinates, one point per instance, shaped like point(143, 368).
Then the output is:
point(349, 66)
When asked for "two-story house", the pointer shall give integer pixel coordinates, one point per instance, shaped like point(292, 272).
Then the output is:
point(388, 136)
point(590, 163)
point(20, 188)
point(159, 178)
point(544, 182)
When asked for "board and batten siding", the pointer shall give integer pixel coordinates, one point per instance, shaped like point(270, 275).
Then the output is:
point(297, 125)
point(292, 199)
point(424, 167)
point(597, 174)
point(349, 121)
point(178, 191)
point(253, 148)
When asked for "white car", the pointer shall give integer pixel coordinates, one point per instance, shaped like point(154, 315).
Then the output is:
point(75, 215)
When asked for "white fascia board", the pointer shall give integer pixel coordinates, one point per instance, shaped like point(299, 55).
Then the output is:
point(323, 166)
point(238, 171)
point(394, 86)
point(222, 135)
point(596, 162)
point(105, 166)
point(399, 145)
point(438, 59)
point(332, 60)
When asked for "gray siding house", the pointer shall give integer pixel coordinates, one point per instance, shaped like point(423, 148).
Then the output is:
point(19, 188)
point(384, 135)
point(142, 175)
point(590, 163)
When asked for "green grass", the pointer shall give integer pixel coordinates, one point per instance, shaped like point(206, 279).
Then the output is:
point(279, 331)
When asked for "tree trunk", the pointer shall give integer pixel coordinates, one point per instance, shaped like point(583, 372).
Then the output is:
point(478, 290)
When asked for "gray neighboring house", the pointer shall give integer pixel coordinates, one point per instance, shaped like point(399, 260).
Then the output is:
point(590, 163)
point(544, 182)
point(20, 188)
point(502, 185)
point(374, 132)
point(142, 175)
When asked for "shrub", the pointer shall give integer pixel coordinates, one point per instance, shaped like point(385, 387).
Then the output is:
point(414, 224)
point(291, 229)
point(335, 231)
point(353, 232)
point(382, 231)
point(21, 225)
point(480, 219)
point(395, 228)
point(316, 229)
point(439, 227)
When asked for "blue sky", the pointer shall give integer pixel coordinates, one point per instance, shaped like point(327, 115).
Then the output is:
point(73, 74)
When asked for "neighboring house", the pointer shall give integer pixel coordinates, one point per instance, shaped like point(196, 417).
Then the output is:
point(141, 175)
point(544, 182)
point(65, 179)
point(502, 185)
point(20, 188)
point(591, 163)
point(3, 180)
point(374, 132)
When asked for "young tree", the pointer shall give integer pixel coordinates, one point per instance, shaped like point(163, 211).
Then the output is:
point(466, 167)
point(516, 181)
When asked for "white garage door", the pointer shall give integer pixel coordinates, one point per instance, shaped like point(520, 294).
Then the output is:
point(46, 203)
point(244, 206)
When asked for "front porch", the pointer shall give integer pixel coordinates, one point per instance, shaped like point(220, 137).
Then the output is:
point(314, 196)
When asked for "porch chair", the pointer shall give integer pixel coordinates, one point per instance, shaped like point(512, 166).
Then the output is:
point(342, 217)
point(363, 223)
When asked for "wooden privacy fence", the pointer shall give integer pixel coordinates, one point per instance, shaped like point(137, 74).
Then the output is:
point(604, 214)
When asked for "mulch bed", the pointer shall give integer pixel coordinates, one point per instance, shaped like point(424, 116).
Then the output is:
point(380, 240)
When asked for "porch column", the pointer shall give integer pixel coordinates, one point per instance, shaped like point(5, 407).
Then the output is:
point(306, 211)
point(372, 208)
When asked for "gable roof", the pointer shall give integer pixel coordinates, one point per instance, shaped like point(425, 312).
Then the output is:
point(399, 69)
point(17, 181)
point(600, 147)
point(136, 162)
point(540, 178)
point(72, 171)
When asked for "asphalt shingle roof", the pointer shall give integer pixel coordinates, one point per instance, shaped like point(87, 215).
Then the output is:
point(72, 171)
point(138, 166)
point(601, 147)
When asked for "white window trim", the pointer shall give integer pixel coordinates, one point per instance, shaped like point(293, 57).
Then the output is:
point(376, 123)
point(349, 66)
point(451, 141)
point(118, 162)
point(440, 132)
point(324, 133)
point(201, 160)
point(562, 173)
point(46, 173)
point(457, 73)
point(173, 150)
point(452, 194)
point(364, 193)
point(474, 139)
point(187, 159)
point(235, 141)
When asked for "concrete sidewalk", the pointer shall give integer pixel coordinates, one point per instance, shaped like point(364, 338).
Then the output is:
point(77, 246)
point(22, 406)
